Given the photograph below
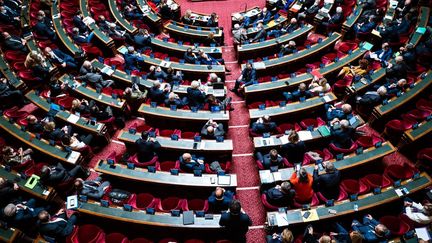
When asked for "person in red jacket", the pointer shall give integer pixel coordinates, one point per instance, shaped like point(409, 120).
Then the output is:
point(302, 184)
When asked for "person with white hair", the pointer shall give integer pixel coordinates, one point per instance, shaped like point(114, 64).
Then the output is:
point(156, 73)
point(382, 55)
point(264, 17)
point(288, 48)
point(342, 112)
point(187, 18)
point(81, 38)
point(336, 19)
point(42, 28)
point(327, 183)
point(400, 86)
point(132, 60)
point(212, 129)
point(213, 78)
point(239, 35)
point(157, 93)
point(18, 214)
point(196, 97)
point(287, 27)
point(397, 71)
point(174, 99)
point(260, 34)
point(372, 98)
point(342, 134)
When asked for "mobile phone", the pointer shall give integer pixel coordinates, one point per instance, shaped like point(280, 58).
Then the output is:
point(306, 215)
point(195, 145)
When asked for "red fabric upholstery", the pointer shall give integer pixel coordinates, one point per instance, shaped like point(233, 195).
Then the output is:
point(167, 165)
point(225, 167)
point(167, 240)
point(88, 233)
point(66, 102)
point(377, 180)
point(141, 240)
point(27, 75)
point(425, 154)
point(267, 205)
point(424, 104)
point(143, 201)
point(398, 126)
point(116, 238)
point(15, 113)
point(170, 203)
point(418, 114)
point(342, 195)
point(399, 172)
point(314, 202)
point(134, 159)
point(396, 226)
point(352, 186)
point(312, 122)
point(196, 205)
point(336, 149)
point(288, 126)
point(368, 141)
point(194, 241)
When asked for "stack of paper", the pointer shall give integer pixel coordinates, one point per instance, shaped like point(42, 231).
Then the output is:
point(305, 135)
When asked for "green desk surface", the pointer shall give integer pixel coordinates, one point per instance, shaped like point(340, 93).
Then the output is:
point(60, 30)
point(8, 235)
point(140, 217)
point(40, 145)
point(94, 27)
point(251, 32)
point(292, 108)
point(9, 75)
point(91, 93)
point(396, 102)
point(349, 161)
point(244, 49)
point(179, 114)
point(118, 16)
point(82, 122)
point(184, 67)
point(205, 145)
point(161, 177)
point(365, 202)
point(423, 129)
point(38, 191)
point(353, 17)
point(295, 81)
point(422, 21)
point(287, 59)
point(181, 49)
point(150, 15)
point(191, 31)
point(375, 77)
point(319, 17)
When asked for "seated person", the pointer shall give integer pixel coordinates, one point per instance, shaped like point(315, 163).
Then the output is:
point(397, 71)
point(101, 114)
point(86, 67)
point(366, 26)
point(295, 149)
point(174, 99)
point(58, 227)
point(206, 59)
point(76, 143)
point(134, 96)
point(320, 86)
point(271, 159)
point(8, 190)
point(307, 11)
point(13, 158)
point(187, 18)
point(373, 98)
point(260, 33)
point(409, 56)
point(56, 88)
point(142, 39)
point(342, 136)
point(195, 97)
point(58, 57)
point(288, 27)
point(173, 77)
point(371, 229)
point(214, 102)
point(264, 125)
point(79, 23)
point(212, 129)
point(131, 12)
point(81, 38)
point(421, 214)
point(156, 73)
point(327, 183)
point(189, 163)
point(83, 107)
point(94, 189)
point(300, 92)
point(336, 19)
point(247, 77)
point(302, 184)
point(344, 112)
point(14, 43)
point(9, 95)
point(213, 20)
point(52, 133)
point(95, 79)
point(211, 40)
point(190, 57)
point(132, 60)
point(158, 95)
point(220, 199)
point(8, 16)
point(389, 33)
point(146, 147)
point(382, 55)
point(34, 125)
point(285, 237)
point(239, 35)
point(38, 65)
point(21, 213)
point(42, 29)
point(281, 195)
point(354, 71)
point(288, 48)
point(264, 17)
point(400, 86)
point(56, 175)
point(213, 78)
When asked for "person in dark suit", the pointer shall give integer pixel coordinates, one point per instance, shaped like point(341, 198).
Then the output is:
point(95, 79)
point(260, 34)
point(310, 10)
point(9, 95)
point(294, 149)
point(58, 226)
point(101, 114)
point(8, 17)
point(288, 48)
point(174, 99)
point(382, 55)
point(247, 77)
point(365, 27)
point(20, 214)
point(142, 39)
point(186, 18)
point(55, 175)
point(264, 17)
point(302, 91)
point(156, 73)
point(220, 199)
point(397, 71)
point(58, 57)
point(81, 38)
point(189, 163)
point(212, 129)
point(288, 27)
point(14, 43)
point(264, 125)
point(344, 112)
point(271, 159)
point(399, 86)
point(389, 33)
point(52, 133)
point(156, 94)
point(195, 97)
point(132, 13)
point(8, 190)
point(190, 57)
point(213, 20)
point(12, 5)
point(235, 222)
point(342, 135)
point(328, 183)
point(146, 147)
point(77, 20)
point(409, 56)
point(42, 29)
point(371, 229)
point(34, 125)
point(103, 23)
point(336, 19)
point(94, 189)
point(281, 195)
point(372, 98)
point(132, 60)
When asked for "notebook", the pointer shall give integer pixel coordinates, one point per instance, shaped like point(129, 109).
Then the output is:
point(188, 217)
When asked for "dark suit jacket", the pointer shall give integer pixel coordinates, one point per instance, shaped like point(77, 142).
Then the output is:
point(261, 34)
point(342, 138)
point(219, 205)
point(397, 71)
point(146, 150)
point(195, 97)
point(336, 19)
point(57, 175)
point(14, 43)
point(277, 198)
point(157, 95)
point(264, 127)
point(294, 152)
point(218, 131)
point(248, 76)
point(43, 30)
point(236, 226)
point(77, 21)
point(131, 61)
point(371, 98)
point(327, 184)
point(142, 41)
point(191, 166)
point(59, 229)
point(65, 57)
point(189, 58)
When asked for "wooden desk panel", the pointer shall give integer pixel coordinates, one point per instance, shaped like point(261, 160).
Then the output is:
point(10, 75)
point(108, 41)
point(118, 16)
point(60, 30)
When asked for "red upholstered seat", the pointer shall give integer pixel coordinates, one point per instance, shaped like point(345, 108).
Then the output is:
point(342, 195)
point(418, 114)
point(88, 233)
point(336, 149)
point(141, 240)
point(377, 180)
point(168, 240)
point(196, 205)
point(66, 102)
point(314, 202)
point(325, 155)
point(134, 159)
point(424, 104)
point(116, 238)
point(312, 122)
point(14, 56)
point(194, 241)
point(396, 226)
point(170, 203)
point(399, 172)
point(352, 186)
point(368, 141)
point(267, 205)
point(425, 154)
point(167, 165)
point(27, 75)
point(15, 113)
point(143, 201)
point(398, 126)
point(224, 165)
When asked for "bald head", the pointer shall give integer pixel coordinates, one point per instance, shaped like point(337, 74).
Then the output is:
point(187, 157)
point(346, 108)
